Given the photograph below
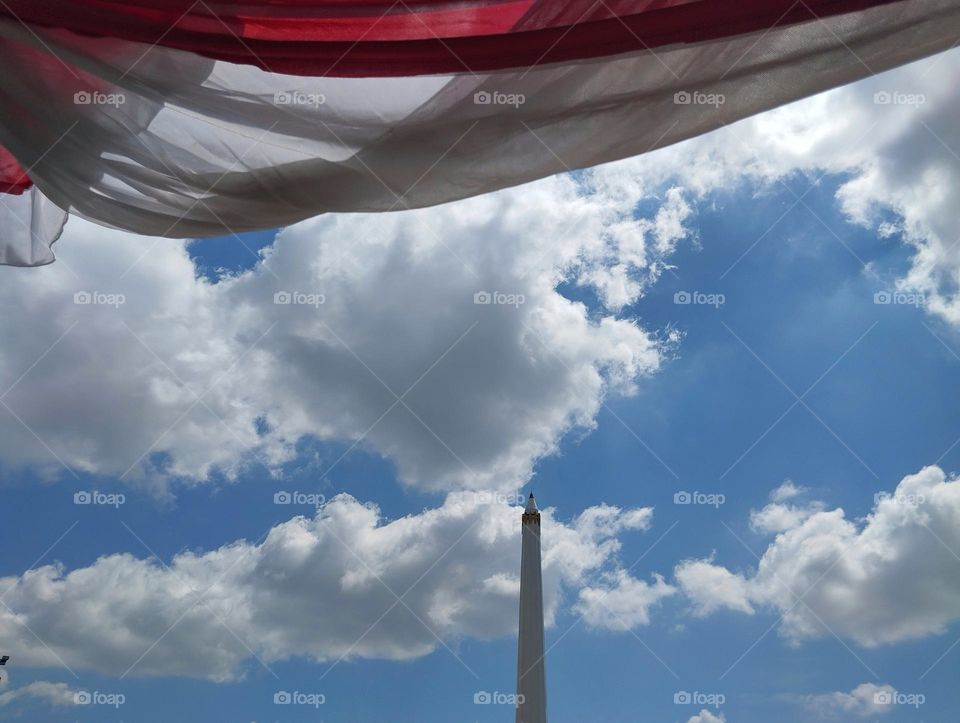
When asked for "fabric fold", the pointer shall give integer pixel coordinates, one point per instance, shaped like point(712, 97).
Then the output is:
point(164, 141)
point(30, 224)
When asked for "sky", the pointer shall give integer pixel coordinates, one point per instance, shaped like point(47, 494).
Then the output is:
point(279, 477)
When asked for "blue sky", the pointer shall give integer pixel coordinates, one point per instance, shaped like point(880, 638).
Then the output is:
point(798, 312)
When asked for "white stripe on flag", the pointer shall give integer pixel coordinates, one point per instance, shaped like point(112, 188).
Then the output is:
point(169, 143)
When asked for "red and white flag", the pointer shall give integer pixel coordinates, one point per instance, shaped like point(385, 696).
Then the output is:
point(199, 118)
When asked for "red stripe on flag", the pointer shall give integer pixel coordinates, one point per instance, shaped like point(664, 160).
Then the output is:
point(13, 179)
point(340, 38)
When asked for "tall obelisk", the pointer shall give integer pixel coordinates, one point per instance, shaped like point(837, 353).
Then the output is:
point(531, 678)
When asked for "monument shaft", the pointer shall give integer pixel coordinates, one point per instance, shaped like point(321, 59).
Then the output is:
point(531, 677)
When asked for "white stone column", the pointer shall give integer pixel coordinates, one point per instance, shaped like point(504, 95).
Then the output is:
point(531, 677)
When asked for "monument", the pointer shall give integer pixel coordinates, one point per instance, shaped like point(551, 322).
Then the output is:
point(531, 677)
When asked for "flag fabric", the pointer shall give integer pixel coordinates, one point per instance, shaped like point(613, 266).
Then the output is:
point(29, 224)
point(191, 119)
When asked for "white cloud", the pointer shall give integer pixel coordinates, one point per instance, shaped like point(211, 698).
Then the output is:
point(779, 516)
point(636, 244)
point(787, 491)
point(320, 588)
point(40, 691)
point(866, 700)
point(706, 716)
point(889, 578)
point(487, 390)
point(710, 588)
point(900, 151)
point(622, 602)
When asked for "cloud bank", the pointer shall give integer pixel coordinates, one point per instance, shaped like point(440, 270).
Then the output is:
point(40, 691)
point(889, 578)
point(435, 338)
point(867, 699)
point(344, 584)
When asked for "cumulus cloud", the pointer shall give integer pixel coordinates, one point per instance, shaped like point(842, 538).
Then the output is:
point(378, 340)
point(888, 578)
point(623, 602)
point(892, 137)
point(866, 700)
point(780, 515)
point(343, 584)
point(40, 691)
point(787, 491)
point(706, 716)
point(710, 588)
